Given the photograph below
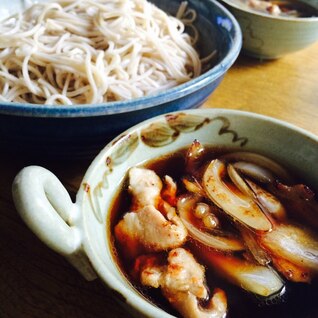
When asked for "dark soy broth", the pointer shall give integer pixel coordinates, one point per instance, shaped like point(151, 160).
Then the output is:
point(303, 10)
point(298, 301)
point(288, 8)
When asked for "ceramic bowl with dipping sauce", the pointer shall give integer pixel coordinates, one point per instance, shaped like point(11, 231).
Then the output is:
point(82, 129)
point(272, 29)
point(252, 171)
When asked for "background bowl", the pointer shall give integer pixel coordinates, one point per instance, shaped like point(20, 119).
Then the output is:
point(270, 37)
point(81, 230)
point(81, 130)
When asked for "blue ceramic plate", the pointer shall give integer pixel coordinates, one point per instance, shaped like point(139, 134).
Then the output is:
point(83, 129)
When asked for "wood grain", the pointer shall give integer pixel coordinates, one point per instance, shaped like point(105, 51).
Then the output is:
point(286, 89)
point(35, 282)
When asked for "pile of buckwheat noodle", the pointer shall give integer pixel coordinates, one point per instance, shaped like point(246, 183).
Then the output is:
point(93, 51)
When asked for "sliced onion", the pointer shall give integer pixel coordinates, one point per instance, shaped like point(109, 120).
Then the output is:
point(255, 171)
point(239, 181)
point(295, 244)
point(269, 202)
point(238, 205)
point(257, 279)
point(227, 242)
point(193, 186)
point(292, 272)
point(258, 253)
point(260, 160)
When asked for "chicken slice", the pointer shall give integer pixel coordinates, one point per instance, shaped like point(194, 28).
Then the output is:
point(169, 192)
point(149, 231)
point(145, 187)
point(265, 6)
point(182, 282)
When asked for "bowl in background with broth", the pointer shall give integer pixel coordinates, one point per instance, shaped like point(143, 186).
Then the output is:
point(271, 35)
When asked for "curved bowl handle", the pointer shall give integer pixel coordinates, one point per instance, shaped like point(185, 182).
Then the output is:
point(46, 207)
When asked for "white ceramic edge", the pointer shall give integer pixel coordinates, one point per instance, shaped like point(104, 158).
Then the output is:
point(46, 192)
point(133, 299)
point(49, 212)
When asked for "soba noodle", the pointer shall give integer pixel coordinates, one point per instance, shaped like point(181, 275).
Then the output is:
point(93, 51)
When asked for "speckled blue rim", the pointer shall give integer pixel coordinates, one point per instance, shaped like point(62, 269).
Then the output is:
point(84, 110)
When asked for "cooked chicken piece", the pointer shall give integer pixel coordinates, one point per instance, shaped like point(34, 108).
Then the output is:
point(169, 192)
point(182, 282)
point(145, 187)
point(194, 156)
point(300, 202)
point(265, 6)
point(149, 231)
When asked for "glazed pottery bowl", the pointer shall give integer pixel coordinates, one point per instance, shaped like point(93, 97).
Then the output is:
point(81, 231)
point(270, 37)
point(81, 130)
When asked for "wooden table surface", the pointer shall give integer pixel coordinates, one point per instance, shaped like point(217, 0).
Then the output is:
point(37, 283)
